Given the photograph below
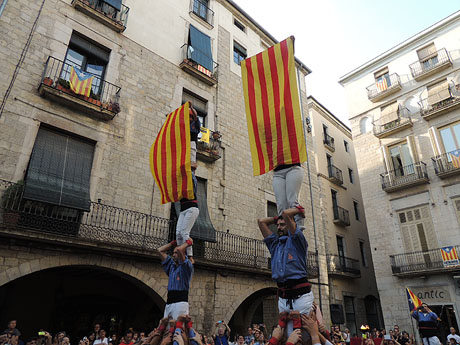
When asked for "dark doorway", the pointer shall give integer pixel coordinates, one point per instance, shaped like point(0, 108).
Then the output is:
point(447, 315)
point(73, 298)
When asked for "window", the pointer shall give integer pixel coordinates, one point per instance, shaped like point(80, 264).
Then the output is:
point(340, 247)
point(456, 203)
point(365, 125)
point(272, 211)
point(438, 92)
point(200, 49)
point(59, 170)
point(346, 145)
point(350, 175)
point(401, 159)
point(382, 79)
point(417, 231)
point(356, 209)
point(363, 253)
point(334, 204)
point(348, 302)
point(428, 56)
point(200, 8)
point(450, 136)
point(87, 56)
point(239, 53)
point(199, 104)
point(239, 25)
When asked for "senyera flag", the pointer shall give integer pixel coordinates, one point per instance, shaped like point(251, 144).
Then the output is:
point(273, 111)
point(80, 82)
point(170, 157)
point(413, 300)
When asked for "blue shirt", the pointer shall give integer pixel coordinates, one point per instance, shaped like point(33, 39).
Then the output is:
point(420, 316)
point(289, 256)
point(179, 275)
point(221, 340)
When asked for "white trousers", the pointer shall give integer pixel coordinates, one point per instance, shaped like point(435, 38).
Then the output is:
point(286, 185)
point(184, 225)
point(193, 151)
point(174, 310)
point(431, 341)
point(302, 304)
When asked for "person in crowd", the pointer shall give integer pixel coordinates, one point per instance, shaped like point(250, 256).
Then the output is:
point(179, 270)
point(453, 335)
point(222, 333)
point(248, 339)
point(383, 333)
point(346, 336)
point(103, 340)
point(12, 333)
point(96, 330)
point(92, 338)
point(127, 339)
point(58, 338)
point(113, 340)
point(427, 322)
point(288, 249)
point(391, 334)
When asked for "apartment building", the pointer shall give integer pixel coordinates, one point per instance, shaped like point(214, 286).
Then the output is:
point(80, 215)
point(353, 295)
point(404, 113)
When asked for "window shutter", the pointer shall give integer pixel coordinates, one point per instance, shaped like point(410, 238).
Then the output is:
point(114, 3)
point(389, 113)
point(380, 73)
point(438, 92)
point(426, 52)
point(203, 228)
point(435, 141)
point(201, 45)
point(386, 160)
point(413, 148)
point(430, 234)
point(406, 238)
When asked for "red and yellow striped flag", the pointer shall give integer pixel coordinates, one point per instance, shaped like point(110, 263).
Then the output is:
point(170, 157)
point(273, 112)
point(80, 82)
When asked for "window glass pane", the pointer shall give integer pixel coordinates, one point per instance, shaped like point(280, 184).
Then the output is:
point(456, 130)
point(406, 157)
point(72, 58)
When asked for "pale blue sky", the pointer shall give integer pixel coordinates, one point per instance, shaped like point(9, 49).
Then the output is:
point(334, 37)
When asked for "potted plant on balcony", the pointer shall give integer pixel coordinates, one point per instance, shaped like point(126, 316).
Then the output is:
point(216, 135)
point(48, 81)
point(95, 99)
point(114, 107)
point(63, 85)
point(11, 201)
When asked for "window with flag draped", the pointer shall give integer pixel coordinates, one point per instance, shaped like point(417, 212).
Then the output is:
point(200, 48)
point(59, 170)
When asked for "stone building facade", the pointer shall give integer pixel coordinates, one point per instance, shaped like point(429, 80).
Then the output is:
point(404, 117)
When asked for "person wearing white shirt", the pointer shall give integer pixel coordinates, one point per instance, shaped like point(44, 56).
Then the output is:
point(103, 340)
point(453, 335)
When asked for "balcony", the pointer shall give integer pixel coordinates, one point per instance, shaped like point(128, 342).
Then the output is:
point(385, 127)
point(341, 216)
point(104, 13)
point(421, 263)
point(447, 164)
point(328, 141)
point(387, 86)
point(200, 9)
point(404, 177)
point(335, 175)
point(442, 102)
point(341, 266)
point(102, 103)
point(189, 65)
point(119, 230)
point(431, 64)
point(212, 151)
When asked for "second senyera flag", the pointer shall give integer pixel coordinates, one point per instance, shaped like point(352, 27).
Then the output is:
point(273, 111)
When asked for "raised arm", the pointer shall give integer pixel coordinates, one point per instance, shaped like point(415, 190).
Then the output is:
point(163, 250)
point(182, 248)
point(288, 216)
point(264, 225)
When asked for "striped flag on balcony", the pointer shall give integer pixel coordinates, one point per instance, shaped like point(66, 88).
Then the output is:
point(413, 300)
point(455, 156)
point(449, 256)
point(273, 112)
point(170, 157)
point(382, 85)
point(80, 82)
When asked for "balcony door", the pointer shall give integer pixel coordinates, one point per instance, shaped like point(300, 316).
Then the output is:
point(450, 138)
point(334, 203)
point(401, 159)
point(341, 251)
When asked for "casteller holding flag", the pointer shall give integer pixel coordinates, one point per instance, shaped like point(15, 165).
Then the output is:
point(427, 321)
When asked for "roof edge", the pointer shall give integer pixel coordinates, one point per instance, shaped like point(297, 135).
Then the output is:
point(329, 112)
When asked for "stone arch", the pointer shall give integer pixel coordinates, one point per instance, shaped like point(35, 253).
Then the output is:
point(70, 259)
point(365, 125)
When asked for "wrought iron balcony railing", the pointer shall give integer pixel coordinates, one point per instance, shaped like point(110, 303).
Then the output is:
point(446, 101)
point(430, 64)
point(421, 262)
point(404, 177)
point(384, 127)
point(335, 174)
point(114, 226)
point(383, 88)
point(212, 151)
point(191, 58)
point(328, 141)
point(102, 101)
point(201, 9)
point(341, 265)
point(447, 164)
point(341, 216)
point(104, 12)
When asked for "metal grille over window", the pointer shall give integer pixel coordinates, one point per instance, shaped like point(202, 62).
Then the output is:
point(59, 170)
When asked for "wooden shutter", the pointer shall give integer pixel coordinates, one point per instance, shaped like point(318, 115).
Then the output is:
point(426, 52)
point(430, 234)
point(438, 92)
point(435, 141)
point(389, 113)
point(386, 160)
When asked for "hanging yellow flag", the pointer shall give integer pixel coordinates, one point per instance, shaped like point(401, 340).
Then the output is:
point(205, 134)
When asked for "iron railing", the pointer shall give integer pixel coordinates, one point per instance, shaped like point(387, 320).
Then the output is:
point(201, 9)
point(420, 67)
point(342, 264)
point(404, 176)
point(381, 126)
point(112, 225)
point(103, 94)
point(211, 151)
point(419, 262)
point(385, 85)
point(335, 174)
point(341, 216)
point(428, 108)
point(328, 140)
point(190, 55)
point(446, 163)
point(118, 16)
